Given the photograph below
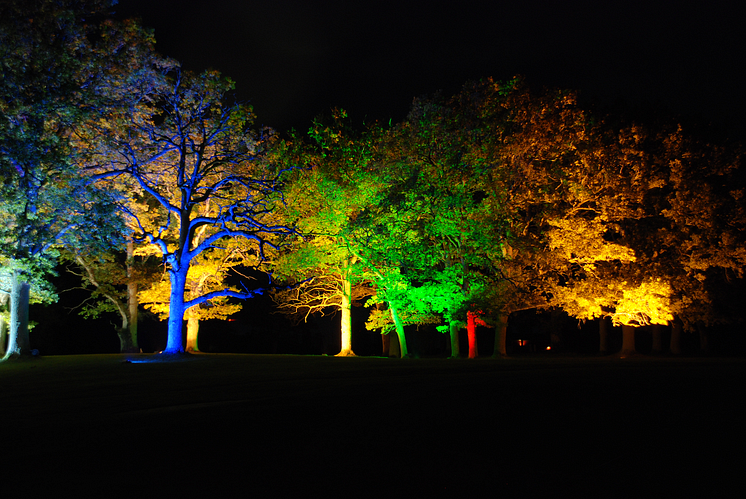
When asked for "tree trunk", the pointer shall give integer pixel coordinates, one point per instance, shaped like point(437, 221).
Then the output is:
point(18, 338)
point(399, 331)
point(346, 325)
point(657, 332)
point(676, 328)
point(125, 341)
point(453, 329)
point(501, 329)
point(3, 335)
point(628, 341)
point(471, 331)
point(176, 311)
point(394, 350)
point(704, 339)
point(555, 329)
point(192, 332)
point(385, 342)
point(603, 335)
point(132, 301)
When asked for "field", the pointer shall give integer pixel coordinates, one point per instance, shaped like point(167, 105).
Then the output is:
point(263, 425)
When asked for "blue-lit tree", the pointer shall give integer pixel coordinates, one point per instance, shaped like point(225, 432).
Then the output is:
point(61, 64)
point(183, 148)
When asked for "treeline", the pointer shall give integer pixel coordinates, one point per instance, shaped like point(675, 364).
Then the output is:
point(160, 190)
point(498, 200)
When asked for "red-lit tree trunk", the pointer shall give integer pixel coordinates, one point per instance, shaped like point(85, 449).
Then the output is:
point(603, 335)
point(501, 330)
point(471, 331)
point(628, 341)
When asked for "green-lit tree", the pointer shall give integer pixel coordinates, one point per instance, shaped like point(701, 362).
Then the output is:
point(325, 265)
point(449, 240)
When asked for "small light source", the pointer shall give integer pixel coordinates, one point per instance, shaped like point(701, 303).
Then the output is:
point(549, 348)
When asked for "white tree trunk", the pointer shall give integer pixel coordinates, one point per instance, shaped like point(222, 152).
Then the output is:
point(18, 338)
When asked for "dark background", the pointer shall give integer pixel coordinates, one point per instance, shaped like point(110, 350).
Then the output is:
point(295, 59)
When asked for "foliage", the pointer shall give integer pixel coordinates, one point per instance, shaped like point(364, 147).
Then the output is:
point(195, 157)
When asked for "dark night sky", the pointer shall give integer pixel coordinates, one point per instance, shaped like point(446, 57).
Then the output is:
point(294, 59)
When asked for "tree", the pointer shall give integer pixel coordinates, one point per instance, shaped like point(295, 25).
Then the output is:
point(113, 279)
point(324, 266)
point(650, 233)
point(450, 200)
point(59, 59)
point(208, 272)
point(184, 147)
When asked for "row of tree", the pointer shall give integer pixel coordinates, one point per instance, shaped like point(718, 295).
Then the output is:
point(498, 200)
point(160, 189)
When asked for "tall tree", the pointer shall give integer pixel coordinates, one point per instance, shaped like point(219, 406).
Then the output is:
point(59, 60)
point(186, 146)
point(325, 264)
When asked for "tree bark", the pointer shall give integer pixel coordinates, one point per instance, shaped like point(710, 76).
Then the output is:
point(399, 331)
point(628, 341)
point(657, 332)
point(704, 339)
point(394, 351)
point(174, 343)
point(3, 335)
point(453, 329)
point(603, 335)
point(676, 328)
point(385, 342)
point(501, 329)
point(192, 333)
point(18, 338)
point(471, 331)
point(346, 325)
point(132, 301)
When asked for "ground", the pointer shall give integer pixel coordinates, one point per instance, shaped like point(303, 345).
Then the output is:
point(262, 424)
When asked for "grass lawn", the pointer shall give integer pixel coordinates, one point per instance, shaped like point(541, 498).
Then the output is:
point(373, 427)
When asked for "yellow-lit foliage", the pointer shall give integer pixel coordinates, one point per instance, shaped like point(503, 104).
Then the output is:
point(648, 303)
point(582, 241)
point(207, 273)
